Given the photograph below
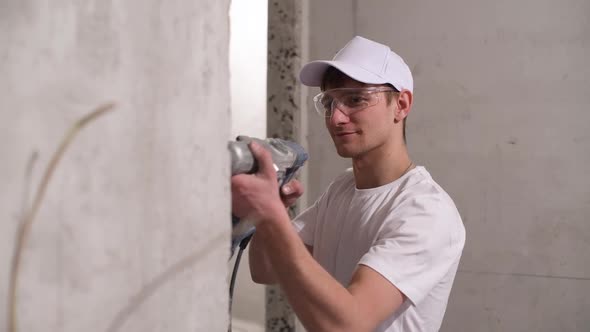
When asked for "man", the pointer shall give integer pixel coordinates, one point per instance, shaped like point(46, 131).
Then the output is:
point(379, 250)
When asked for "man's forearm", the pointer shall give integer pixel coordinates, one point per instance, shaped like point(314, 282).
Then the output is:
point(260, 267)
point(321, 303)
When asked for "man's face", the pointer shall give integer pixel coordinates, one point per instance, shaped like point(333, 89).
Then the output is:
point(361, 131)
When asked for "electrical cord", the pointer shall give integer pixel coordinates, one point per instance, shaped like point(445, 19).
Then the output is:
point(234, 274)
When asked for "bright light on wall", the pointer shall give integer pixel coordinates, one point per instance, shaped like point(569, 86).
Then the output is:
point(248, 48)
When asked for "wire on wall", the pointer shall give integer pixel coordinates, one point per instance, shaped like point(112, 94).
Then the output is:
point(28, 218)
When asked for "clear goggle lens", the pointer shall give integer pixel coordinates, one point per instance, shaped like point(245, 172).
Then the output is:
point(347, 100)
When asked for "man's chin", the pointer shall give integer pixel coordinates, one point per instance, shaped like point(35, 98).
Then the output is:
point(346, 148)
point(344, 152)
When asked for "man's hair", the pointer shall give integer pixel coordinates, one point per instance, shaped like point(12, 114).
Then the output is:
point(335, 77)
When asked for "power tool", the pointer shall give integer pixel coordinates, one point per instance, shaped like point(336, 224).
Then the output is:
point(287, 157)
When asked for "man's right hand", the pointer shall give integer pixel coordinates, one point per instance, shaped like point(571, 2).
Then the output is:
point(290, 192)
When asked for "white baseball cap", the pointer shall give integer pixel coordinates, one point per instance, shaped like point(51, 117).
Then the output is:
point(365, 61)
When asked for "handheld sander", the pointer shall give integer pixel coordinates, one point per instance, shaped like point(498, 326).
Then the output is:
point(287, 157)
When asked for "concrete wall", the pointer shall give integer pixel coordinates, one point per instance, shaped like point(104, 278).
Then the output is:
point(501, 120)
point(133, 232)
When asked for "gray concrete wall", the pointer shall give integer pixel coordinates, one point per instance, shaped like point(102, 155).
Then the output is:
point(283, 110)
point(501, 120)
point(133, 232)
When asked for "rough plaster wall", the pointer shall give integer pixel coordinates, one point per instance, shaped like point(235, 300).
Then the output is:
point(283, 105)
point(501, 121)
point(133, 233)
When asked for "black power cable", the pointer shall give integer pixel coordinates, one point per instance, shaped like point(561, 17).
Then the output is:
point(234, 274)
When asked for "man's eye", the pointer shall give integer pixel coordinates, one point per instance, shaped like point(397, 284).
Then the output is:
point(355, 100)
point(327, 102)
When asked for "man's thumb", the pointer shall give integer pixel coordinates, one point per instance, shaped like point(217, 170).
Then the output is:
point(263, 159)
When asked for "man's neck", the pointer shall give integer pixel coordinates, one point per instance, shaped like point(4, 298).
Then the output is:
point(380, 166)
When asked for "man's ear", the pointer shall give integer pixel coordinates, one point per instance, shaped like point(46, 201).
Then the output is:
point(404, 105)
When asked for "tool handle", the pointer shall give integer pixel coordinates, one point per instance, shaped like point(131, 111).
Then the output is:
point(242, 160)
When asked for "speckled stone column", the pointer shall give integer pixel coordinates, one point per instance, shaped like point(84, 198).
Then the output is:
point(284, 62)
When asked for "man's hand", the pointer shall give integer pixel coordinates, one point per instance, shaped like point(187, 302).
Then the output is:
point(256, 196)
point(290, 192)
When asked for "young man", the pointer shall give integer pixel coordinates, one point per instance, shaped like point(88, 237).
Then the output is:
point(379, 250)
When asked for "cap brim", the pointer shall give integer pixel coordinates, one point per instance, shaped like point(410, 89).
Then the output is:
point(312, 73)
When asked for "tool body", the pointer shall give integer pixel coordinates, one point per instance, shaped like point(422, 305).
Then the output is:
point(287, 157)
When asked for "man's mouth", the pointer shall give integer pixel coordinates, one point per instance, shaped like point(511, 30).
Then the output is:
point(345, 133)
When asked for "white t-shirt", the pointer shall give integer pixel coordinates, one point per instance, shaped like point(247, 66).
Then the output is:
point(409, 231)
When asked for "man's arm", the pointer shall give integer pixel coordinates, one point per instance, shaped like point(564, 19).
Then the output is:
point(321, 302)
point(260, 267)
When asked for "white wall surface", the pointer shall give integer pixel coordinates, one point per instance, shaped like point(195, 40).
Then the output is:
point(133, 232)
point(501, 120)
point(248, 48)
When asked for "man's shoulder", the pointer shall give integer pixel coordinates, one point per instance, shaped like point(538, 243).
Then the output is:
point(340, 186)
point(422, 195)
point(421, 184)
point(343, 180)
point(427, 204)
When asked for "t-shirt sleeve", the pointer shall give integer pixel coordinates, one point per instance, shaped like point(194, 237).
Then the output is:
point(305, 223)
point(415, 248)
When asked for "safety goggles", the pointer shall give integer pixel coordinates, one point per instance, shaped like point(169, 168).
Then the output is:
point(348, 100)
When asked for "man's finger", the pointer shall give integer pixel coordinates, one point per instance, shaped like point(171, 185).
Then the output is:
point(289, 200)
point(264, 160)
point(293, 188)
point(290, 192)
